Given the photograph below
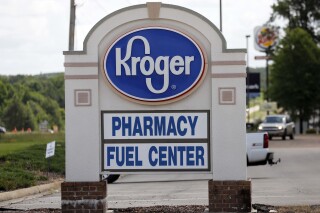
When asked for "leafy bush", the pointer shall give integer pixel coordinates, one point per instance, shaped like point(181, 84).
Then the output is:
point(26, 167)
point(311, 131)
point(12, 178)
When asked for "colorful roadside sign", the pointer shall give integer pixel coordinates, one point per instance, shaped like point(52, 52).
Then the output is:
point(266, 37)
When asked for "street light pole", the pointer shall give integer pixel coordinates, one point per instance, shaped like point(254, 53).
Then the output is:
point(248, 79)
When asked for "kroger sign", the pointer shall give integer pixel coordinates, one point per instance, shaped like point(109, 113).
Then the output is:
point(154, 64)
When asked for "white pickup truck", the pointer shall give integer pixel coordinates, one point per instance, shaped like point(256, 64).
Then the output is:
point(258, 149)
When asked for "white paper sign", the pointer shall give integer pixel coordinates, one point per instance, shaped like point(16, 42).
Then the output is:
point(50, 149)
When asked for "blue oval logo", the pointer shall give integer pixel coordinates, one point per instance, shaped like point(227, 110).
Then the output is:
point(154, 64)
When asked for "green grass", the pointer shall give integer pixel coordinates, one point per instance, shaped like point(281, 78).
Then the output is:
point(10, 143)
point(22, 159)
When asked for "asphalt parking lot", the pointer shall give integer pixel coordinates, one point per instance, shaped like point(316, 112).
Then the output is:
point(295, 181)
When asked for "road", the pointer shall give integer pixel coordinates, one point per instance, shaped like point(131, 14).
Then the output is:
point(295, 181)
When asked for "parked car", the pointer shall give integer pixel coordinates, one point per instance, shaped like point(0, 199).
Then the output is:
point(2, 129)
point(278, 125)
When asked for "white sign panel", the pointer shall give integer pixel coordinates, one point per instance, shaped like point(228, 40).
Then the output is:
point(155, 141)
point(156, 156)
point(50, 149)
point(155, 125)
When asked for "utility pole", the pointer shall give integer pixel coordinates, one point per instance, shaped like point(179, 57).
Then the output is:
point(72, 24)
point(220, 16)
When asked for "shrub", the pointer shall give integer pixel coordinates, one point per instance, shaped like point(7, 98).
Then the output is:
point(311, 131)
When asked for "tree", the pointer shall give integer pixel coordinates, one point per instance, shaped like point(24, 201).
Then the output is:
point(25, 101)
point(304, 14)
point(295, 74)
point(3, 94)
point(18, 115)
point(6, 92)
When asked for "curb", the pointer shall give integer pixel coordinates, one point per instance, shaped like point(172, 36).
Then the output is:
point(16, 194)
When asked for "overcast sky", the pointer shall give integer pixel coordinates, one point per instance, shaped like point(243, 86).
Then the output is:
point(33, 33)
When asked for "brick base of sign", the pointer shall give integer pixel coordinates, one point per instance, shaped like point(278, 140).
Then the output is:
point(229, 196)
point(84, 197)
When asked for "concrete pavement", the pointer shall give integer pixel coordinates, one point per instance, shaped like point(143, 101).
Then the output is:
point(295, 181)
point(20, 195)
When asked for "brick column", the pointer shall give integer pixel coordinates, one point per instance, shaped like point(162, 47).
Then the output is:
point(229, 196)
point(84, 197)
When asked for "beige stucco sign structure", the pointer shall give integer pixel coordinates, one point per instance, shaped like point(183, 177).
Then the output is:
point(155, 90)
